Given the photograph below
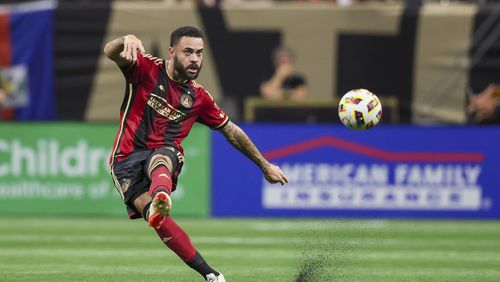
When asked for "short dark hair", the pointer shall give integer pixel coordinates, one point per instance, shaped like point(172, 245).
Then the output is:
point(189, 31)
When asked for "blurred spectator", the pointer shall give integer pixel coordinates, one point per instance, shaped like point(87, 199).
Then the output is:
point(484, 107)
point(285, 83)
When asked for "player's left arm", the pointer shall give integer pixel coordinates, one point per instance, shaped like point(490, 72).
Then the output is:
point(240, 140)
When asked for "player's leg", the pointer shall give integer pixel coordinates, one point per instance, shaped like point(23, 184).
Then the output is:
point(178, 241)
point(159, 169)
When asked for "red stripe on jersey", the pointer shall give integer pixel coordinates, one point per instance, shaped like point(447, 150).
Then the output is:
point(119, 134)
point(132, 136)
point(134, 118)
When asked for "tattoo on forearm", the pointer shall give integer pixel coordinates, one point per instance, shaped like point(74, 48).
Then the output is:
point(240, 140)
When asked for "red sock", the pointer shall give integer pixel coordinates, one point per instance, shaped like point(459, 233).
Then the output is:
point(160, 180)
point(176, 239)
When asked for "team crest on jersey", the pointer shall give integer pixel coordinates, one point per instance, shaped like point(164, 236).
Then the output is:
point(186, 100)
point(125, 185)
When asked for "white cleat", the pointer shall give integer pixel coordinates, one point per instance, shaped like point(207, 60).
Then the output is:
point(212, 278)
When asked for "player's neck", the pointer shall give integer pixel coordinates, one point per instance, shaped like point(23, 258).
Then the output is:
point(172, 74)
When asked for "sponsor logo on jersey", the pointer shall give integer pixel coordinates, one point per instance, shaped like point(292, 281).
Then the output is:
point(163, 108)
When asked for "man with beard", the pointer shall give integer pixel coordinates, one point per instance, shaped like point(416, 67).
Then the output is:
point(162, 102)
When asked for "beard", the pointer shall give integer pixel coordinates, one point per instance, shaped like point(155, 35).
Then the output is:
point(183, 71)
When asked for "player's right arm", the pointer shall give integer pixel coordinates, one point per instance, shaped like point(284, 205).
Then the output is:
point(123, 50)
point(240, 140)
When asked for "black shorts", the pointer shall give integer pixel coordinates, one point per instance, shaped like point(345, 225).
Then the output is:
point(131, 177)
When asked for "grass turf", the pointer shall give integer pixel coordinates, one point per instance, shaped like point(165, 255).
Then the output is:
point(114, 249)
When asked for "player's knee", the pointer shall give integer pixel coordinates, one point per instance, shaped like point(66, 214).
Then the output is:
point(159, 160)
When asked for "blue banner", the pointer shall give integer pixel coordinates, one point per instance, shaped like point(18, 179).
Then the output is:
point(394, 172)
point(26, 71)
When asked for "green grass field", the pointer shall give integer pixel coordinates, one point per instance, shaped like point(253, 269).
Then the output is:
point(112, 249)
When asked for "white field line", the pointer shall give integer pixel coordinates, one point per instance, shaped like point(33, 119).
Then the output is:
point(256, 253)
point(319, 225)
point(339, 225)
point(157, 253)
point(295, 241)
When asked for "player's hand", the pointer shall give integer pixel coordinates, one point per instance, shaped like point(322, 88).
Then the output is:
point(131, 45)
point(274, 174)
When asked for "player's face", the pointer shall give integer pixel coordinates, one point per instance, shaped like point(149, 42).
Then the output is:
point(187, 55)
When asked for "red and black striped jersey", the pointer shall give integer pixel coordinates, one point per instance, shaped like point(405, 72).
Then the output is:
point(158, 111)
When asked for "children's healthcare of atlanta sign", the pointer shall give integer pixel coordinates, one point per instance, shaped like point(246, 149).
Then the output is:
point(425, 172)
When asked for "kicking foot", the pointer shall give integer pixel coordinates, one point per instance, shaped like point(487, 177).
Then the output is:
point(212, 278)
point(159, 209)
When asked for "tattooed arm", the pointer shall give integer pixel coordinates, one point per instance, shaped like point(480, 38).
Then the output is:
point(240, 140)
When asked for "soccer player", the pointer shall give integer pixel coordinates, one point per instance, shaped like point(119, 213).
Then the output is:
point(162, 102)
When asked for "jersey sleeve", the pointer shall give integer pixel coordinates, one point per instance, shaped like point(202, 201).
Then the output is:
point(141, 69)
point(212, 115)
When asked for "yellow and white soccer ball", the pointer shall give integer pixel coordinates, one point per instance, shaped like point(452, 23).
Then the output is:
point(360, 109)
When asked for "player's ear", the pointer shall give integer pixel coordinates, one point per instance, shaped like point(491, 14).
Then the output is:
point(170, 52)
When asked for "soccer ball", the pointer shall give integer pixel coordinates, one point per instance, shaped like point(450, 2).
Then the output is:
point(360, 109)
